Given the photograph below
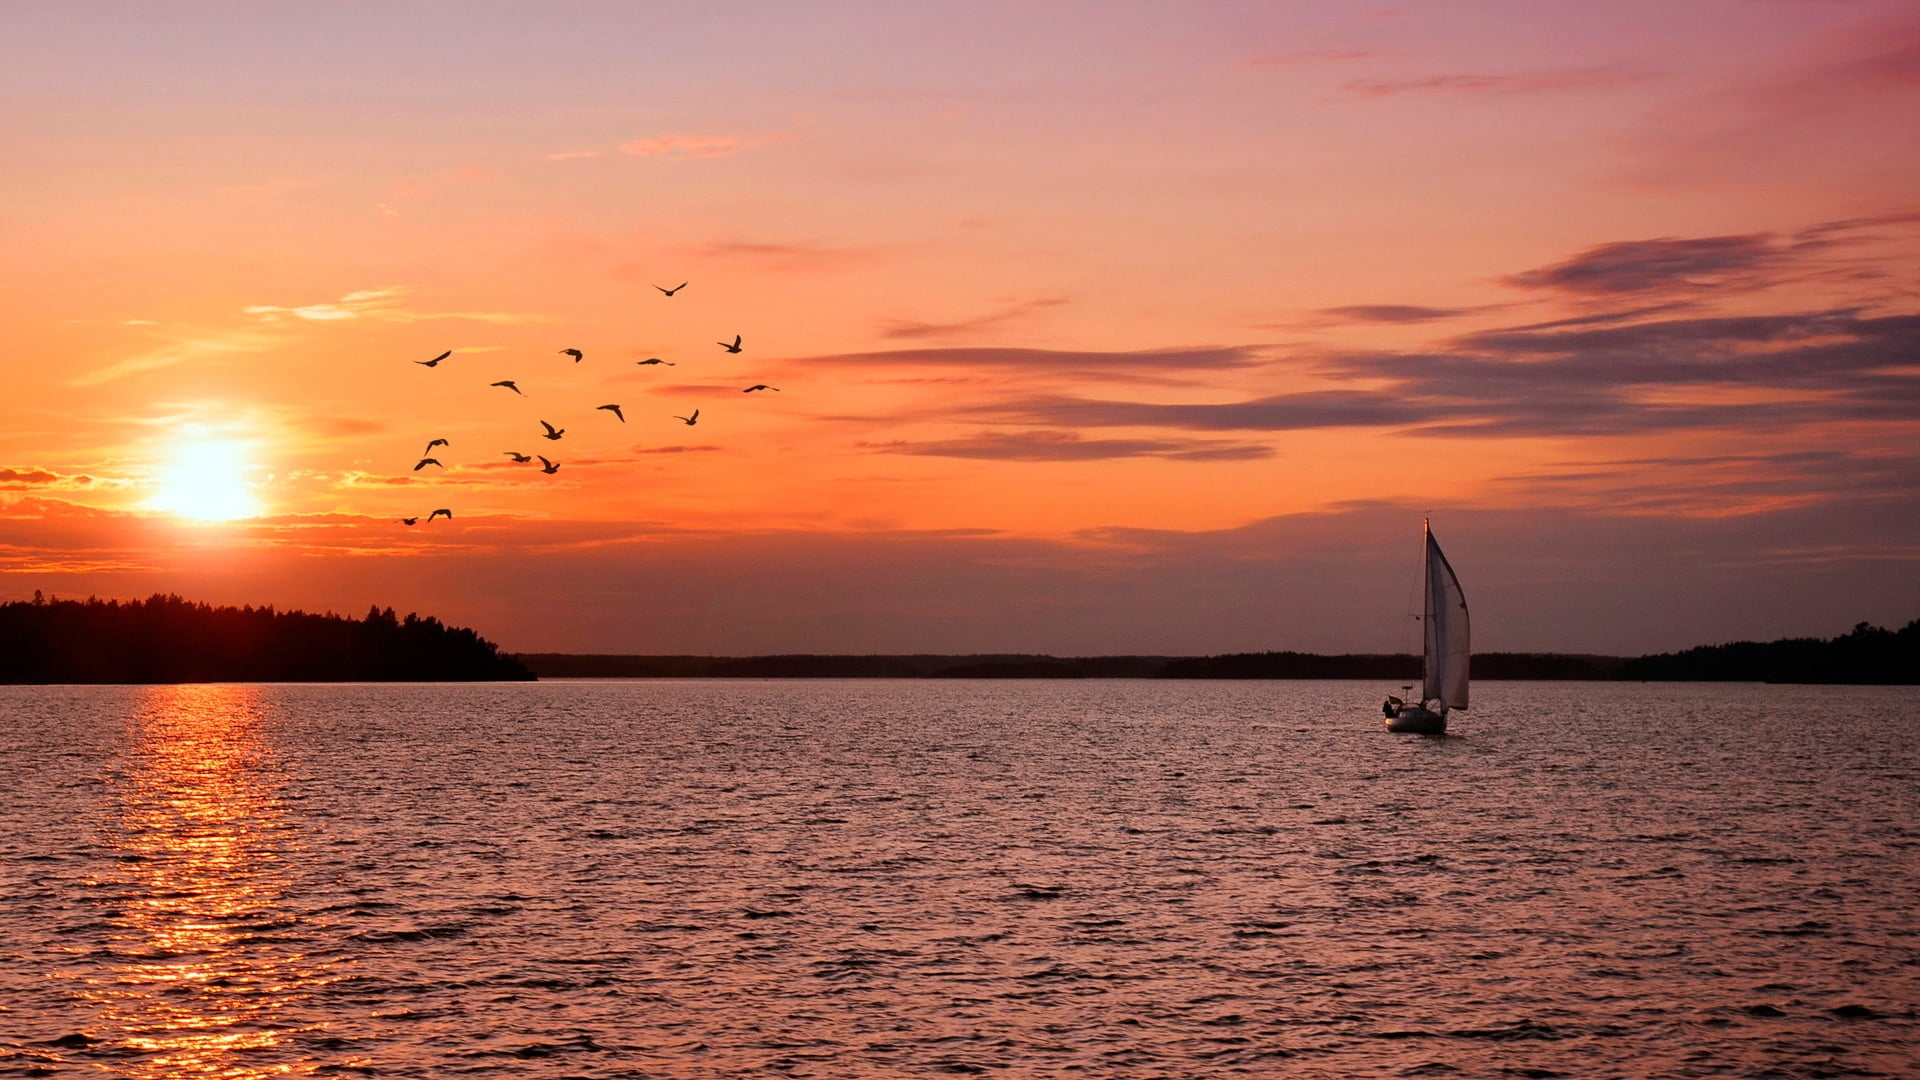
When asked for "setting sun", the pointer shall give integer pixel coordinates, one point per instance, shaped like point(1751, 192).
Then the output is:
point(207, 481)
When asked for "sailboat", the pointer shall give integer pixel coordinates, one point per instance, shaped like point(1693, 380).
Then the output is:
point(1444, 669)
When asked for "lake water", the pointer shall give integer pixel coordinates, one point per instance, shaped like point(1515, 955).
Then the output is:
point(916, 878)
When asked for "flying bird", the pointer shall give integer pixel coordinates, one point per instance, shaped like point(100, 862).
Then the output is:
point(655, 360)
point(548, 467)
point(760, 386)
point(575, 353)
point(508, 383)
point(673, 290)
point(410, 521)
point(614, 409)
point(518, 457)
point(735, 347)
point(436, 360)
point(690, 420)
point(448, 514)
point(434, 443)
point(426, 461)
point(552, 432)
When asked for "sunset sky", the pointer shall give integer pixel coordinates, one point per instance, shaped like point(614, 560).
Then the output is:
point(1098, 327)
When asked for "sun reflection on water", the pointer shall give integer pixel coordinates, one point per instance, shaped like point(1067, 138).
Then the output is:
point(207, 970)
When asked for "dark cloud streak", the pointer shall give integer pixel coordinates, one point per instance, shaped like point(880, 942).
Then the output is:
point(1394, 313)
point(1633, 266)
point(1215, 358)
point(1067, 446)
point(1838, 365)
point(982, 324)
point(1479, 83)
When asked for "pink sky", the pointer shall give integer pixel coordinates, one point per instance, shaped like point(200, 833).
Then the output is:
point(1097, 327)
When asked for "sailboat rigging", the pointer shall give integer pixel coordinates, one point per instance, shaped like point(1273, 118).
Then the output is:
point(1444, 665)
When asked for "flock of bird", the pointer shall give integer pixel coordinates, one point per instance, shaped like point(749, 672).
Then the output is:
point(552, 433)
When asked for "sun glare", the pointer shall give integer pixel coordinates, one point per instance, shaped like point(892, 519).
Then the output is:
point(207, 481)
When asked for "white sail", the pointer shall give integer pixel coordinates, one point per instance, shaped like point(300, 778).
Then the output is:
point(1446, 631)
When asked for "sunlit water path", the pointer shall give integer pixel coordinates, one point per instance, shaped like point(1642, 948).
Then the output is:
point(826, 879)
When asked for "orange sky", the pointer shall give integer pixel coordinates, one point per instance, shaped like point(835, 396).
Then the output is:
point(1097, 328)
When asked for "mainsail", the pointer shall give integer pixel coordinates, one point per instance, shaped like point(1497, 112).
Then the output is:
point(1446, 631)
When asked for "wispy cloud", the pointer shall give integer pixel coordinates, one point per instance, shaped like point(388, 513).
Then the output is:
point(1299, 57)
point(1688, 267)
point(1005, 318)
point(1645, 265)
point(1609, 318)
point(777, 256)
point(686, 147)
point(1846, 94)
point(1746, 373)
point(1394, 313)
point(195, 348)
point(382, 305)
point(1280, 412)
point(1869, 59)
point(1495, 84)
point(1053, 361)
point(699, 390)
point(37, 479)
point(1069, 446)
point(341, 427)
point(1718, 485)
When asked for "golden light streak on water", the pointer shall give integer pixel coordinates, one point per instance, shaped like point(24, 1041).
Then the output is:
point(204, 843)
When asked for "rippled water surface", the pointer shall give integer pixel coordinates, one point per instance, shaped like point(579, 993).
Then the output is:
point(823, 879)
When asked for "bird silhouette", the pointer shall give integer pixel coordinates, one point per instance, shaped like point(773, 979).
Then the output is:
point(448, 514)
point(548, 467)
point(552, 432)
point(434, 443)
point(411, 520)
point(760, 386)
point(655, 360)
point(518, 457)
point(436, 360)
point(735, 347)
point(614, 409)
point(508, 383)
point(690, 420)
point(575, 353)
point(673, 290)
point(426, 461)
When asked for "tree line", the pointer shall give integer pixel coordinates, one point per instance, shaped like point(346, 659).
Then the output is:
point(166, 639)
point(1865, 654)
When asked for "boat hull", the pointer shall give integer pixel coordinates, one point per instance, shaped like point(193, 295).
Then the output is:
point(1414, 720)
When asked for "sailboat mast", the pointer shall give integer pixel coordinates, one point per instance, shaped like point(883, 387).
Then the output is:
point(1429, 662)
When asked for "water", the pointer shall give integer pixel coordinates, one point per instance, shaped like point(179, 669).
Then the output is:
point(850, 879)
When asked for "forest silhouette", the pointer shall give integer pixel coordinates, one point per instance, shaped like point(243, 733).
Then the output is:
point(1866, 654)
point(166, 639)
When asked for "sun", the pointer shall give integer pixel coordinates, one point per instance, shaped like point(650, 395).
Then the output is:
point(207, 481)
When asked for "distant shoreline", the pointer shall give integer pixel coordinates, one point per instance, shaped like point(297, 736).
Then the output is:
point(1867, 656)
point(166, 639)
point(1527, 666)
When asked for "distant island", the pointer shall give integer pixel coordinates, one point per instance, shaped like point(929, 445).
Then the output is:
point(1867, 654)
point(165, 639)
